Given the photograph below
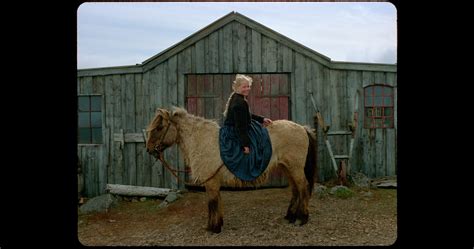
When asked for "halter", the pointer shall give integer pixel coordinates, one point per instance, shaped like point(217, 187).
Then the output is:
point(159, 147)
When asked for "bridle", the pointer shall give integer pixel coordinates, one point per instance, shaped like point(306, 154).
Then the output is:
point(160, 147)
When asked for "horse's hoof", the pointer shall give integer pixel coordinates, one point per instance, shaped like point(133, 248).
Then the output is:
point(290, 218)
point(300, 222)
point(216, 229)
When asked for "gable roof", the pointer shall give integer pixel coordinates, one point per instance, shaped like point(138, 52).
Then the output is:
point(232, 16)
point(235, 16)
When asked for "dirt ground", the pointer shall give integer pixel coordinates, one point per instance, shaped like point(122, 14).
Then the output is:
point(250, 218)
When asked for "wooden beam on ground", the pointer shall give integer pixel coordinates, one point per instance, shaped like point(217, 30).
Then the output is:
point(130, 190)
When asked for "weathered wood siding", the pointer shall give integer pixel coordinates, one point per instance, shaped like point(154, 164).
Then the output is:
point(130, 99)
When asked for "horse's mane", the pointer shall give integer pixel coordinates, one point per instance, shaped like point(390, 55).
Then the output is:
point(181, 112)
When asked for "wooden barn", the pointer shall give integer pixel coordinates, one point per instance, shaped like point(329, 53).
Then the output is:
point(115, 104)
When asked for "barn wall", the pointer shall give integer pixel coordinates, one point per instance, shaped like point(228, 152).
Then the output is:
point(131, 98)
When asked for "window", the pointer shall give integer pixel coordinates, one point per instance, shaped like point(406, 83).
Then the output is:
point(378, 106)
point(90, 119)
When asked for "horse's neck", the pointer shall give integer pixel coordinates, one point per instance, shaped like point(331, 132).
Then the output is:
point(190, 129)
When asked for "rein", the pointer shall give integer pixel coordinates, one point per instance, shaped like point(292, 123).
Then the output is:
point(159, 148)
point(173, 171)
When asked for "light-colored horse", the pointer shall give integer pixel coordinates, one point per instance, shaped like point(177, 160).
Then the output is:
point(294, 151)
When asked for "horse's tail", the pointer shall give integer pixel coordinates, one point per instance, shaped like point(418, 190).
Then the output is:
point(310, 169)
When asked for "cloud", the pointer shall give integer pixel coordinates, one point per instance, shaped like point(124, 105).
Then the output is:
point(112, 33)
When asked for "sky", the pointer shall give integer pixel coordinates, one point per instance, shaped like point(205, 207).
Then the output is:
point(121, 34)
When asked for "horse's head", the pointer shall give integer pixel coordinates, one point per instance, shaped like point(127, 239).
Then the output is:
point(161, 133)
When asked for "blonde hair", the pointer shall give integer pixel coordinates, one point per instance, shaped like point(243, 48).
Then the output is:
point(239, 79)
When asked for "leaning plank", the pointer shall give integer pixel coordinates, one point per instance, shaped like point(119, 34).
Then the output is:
point(130, 190)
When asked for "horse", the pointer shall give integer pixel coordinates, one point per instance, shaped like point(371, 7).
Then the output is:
point(293, 150)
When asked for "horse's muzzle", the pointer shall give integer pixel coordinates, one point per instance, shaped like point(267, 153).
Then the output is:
point(155, 153)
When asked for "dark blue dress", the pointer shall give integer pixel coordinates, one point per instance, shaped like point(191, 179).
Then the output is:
point(241, 128)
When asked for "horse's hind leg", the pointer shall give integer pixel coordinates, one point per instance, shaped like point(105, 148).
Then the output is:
point(298, 211)
point(215, 219)
point(291, 212)
point(302, 211)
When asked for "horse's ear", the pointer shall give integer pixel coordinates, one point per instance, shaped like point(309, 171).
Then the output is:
point(163, 112)
point(159, 111)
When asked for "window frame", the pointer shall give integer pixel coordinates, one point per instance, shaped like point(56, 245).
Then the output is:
point(378, 111)
point(90, 126)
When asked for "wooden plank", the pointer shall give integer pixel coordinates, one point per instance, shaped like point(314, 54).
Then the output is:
point(300, 89)
point(367, 78)
point(98, 85)
point(380, 149)
point(336, 133)
point(269, 55)
point(191, 91)
point(212, 52)
point(248, 50)
point(200, 91)
point(208, 102)
point(200, 56)
point(317, 88)
point(358, 160)
point(86, 86)
point(285, 55)
point(284, 88)
point(220, 51)
point(343, 111)
point(391, 142)
point(78, 85)
point(366, 152)
point(117, 126)
point(375, 67)
point(128, 190)
point(379, 78)
point(293, 90)
point(326, 104)
point(256, 51)
point(227, 64)
point(130, 137)
point(390, 152)
point(351, 89)
point(87, 172)
point(274, 101)
point(102, 169)
point(390, 79)
point(128, 121)
point(106, 71)
point(309, 81)
point(288, 60)
point(334, 100)
point(172, 82)
point(184, 67)
point(279, 57)
point(93, 169)
point(108, 126)
point(218, 101)
point(140, 125)
point(239, 47)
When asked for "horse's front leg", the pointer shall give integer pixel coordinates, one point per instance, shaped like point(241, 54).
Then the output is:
point(215, 218)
